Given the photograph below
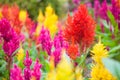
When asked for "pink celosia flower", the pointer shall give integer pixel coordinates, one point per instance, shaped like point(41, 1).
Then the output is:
point(27, 70)
point(45, 40)
point(11, 39)
point(36, 73)
point(15, 73)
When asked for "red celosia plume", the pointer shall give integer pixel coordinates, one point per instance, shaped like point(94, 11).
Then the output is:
point(81, 27)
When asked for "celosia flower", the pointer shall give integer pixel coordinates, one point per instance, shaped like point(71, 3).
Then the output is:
point(45, 40)
point(81, 27)
point(1, 15)
point(27, 70)
point(58, 43)
point(17, 21)
point(20, 54)
point(115, 9)
point(36, 73)
point(11, 39)
point(96, 8)
point(7, 12)
point(56, 54)
point(76, 2)
point(50, 21)
point(65, 68)
point(99, 72)
point(99, 51)
point(40, 17)
point(15, 73)
point(72, 51)
point(52, 74)
point(29, 23)
point(22, 15)
point(103, 10)
point(59, 40)
point(49, 11)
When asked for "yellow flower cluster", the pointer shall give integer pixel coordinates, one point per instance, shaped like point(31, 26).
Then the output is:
point(20, 55)
point(99, 72)
point(22, 15)
point(1, 15)
point(64, 70)
point(49, 21)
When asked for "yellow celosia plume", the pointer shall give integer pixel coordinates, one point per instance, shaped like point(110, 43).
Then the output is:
point(52, 74)
point(49, 21)
point(65, 68)
point(99, 72)
point(1, 15)
point(99, 52)
point(40, 18)
point(22, 15)
point(20, 54)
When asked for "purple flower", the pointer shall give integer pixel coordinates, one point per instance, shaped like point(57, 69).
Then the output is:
point(56, 54)
point(103, 11)
point(11, 39)
point(96, 8)
point(45, 40)
point(33, 29)
point(28, 60)
point(36, 70)
point(76, 2)
point(115, 9)
point(27, 70)
point(15, 73)
point(58, 43)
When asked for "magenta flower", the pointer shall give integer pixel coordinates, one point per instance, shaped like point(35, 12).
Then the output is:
point(45, 40)
point(115, 9)
point(76, 2)
point(103, 11)
point(58, 43)
point(96, 8)
point(11, 39)
point(27, 70)
point(15, 73)
point(36, 70)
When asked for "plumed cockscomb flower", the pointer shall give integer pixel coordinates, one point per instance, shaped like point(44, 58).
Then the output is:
point(103, 10)
point(45, 40)
point(115, 9)
point(59, 40)
point(36, 73)
point(99, 52)
point(58, 43)
point(73, 50)
point(15, 73)
point(11, 39)
point(27, 70)
point(81, 27)
point(96, 8)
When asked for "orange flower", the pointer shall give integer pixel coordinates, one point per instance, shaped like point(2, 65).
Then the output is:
point(81, 27)
point(72, 50)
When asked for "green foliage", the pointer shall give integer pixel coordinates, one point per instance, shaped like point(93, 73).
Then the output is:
point(3, 71)
point(33, 6)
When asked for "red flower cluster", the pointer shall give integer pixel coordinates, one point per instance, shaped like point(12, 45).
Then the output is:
point(81, 27)
point(73, 51)
point(11, 13)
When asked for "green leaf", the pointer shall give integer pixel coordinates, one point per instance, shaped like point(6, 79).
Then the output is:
point(113, 21)
point(113, 66)
point(114, 49)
